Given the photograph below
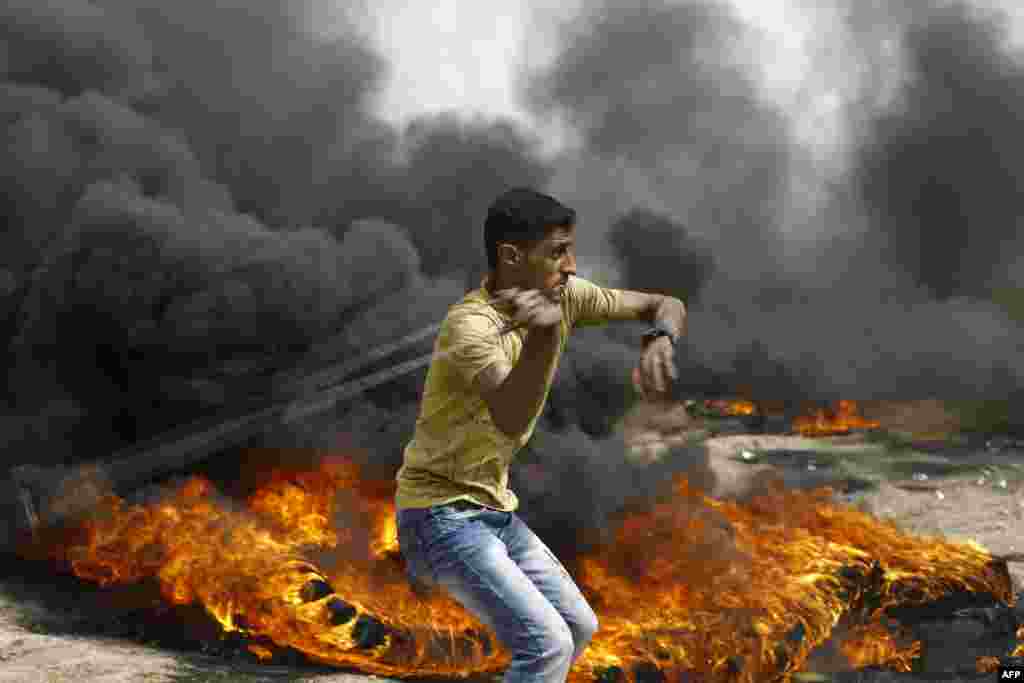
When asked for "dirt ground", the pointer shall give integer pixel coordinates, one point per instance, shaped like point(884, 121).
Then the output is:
point(52, 630)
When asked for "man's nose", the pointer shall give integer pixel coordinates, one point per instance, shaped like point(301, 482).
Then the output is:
point(569, 265)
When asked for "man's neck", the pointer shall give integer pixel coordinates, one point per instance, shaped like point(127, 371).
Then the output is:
point(494, 283)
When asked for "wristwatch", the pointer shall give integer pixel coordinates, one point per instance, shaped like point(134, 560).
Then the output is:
point(658, 331)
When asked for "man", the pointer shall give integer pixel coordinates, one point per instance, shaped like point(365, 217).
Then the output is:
point(484, 392)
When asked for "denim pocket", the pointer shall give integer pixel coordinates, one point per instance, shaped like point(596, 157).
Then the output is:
point(444, 521)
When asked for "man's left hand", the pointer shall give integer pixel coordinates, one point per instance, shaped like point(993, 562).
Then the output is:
point(657, 368)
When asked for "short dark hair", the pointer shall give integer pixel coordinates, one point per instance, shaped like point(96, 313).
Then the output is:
point(522, 216)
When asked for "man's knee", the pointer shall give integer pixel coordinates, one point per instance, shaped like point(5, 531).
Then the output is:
point(558, 643)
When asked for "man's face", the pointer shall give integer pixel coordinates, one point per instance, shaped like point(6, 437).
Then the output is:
point(549, 263)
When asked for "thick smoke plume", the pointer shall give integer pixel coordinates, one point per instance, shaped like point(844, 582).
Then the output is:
point(878, 292)
point(940, 174)
point(670, 122)
point(672, 263)
point(196, 193)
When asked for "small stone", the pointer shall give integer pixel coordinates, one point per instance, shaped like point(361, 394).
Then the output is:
point(811, 466)
point(940, 495)
point(1002, 483)
point(747, 455)
point(920, 476)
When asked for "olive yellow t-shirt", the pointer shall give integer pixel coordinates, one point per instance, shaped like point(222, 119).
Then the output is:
point(457, 452)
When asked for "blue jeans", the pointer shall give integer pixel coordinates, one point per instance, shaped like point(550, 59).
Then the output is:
point(502, 573)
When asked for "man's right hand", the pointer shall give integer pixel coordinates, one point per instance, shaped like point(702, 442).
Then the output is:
point(532, 308)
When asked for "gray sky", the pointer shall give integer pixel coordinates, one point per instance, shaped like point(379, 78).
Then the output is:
point(460, 54)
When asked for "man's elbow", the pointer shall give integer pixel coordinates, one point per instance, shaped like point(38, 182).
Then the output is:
point(511, 433)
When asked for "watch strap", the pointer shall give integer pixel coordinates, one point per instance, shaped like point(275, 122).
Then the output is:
point(658, 331)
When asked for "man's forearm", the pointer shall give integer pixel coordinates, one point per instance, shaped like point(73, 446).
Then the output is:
point(671, 314)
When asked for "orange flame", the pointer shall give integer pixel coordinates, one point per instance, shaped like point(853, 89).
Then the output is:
point(875, 644)
point(845, 417)
point(735, 407)
point(717, 589)
point(839, 419)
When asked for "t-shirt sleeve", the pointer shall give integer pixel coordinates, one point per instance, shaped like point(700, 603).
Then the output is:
point(470, 340)
point(591, 304)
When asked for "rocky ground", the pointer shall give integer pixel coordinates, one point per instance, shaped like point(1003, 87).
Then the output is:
point(59, 630)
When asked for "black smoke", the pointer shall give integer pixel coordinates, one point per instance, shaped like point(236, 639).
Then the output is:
point(939, 175)
point(671, 262)
point(684, 170)
point(878, 289)
point(671, 122)
point(450, 163)
point(198, 196)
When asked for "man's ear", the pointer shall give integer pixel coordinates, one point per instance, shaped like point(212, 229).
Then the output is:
point(508, 253)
